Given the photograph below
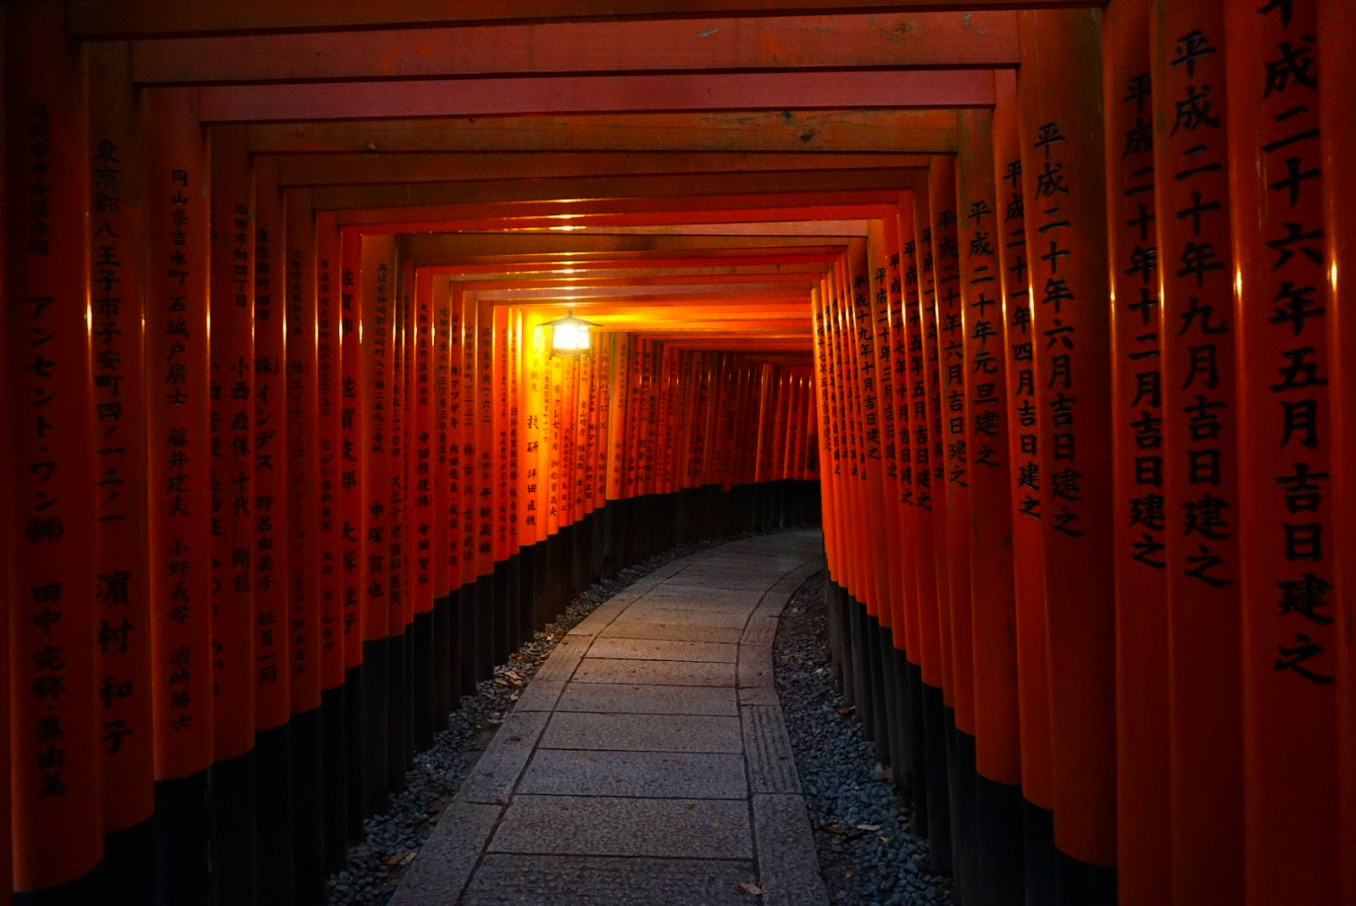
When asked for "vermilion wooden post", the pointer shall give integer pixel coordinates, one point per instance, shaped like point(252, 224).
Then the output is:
point(957, 625)
point(1028, 570)
point(446, 663)
point(493, 639)
point(122, 566)
point(906, 768)
point(1138, 453)
point(1283, 300)
point(1199, 466)
point(933, 577)
point(998, 815)
point(54, 708)
point(1336, 95)
point(330, 544)
point(271, 669)
point(531, 493)
point(399, 615)
point(177, 223)
point(1059, 96)
point(303, 548)
point(235, 558)
point(462, 475)
point(376, 288)
point(426, 641)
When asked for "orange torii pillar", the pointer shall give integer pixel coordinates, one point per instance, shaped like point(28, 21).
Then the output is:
point(1028, 570)
point(997, 860)
point(352, 464)
point(303, 565)
point(1338, 137)
point(1201, 506)
point(1141, 529)
point(446, 576)
point(1060, 100)
point(178, 182)
point(271, 668)
point(234, 557)
point(54, 711)
point(424, 643)
point(331, 317)
point(117, 307)
point(959, 692)
point(376, 288)
point(930, 474)
point(1283, 303)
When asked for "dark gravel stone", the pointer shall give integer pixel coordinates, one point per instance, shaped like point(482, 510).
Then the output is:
point(866, 853)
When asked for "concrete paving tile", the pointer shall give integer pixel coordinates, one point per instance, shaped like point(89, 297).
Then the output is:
point(675, 599)
point(710, 593)
point(445, 862)
point(616, 698)
point(564, 659)
point(512, 880)
point(540, 695)
point(730, 582)
point(665, 673)
point(660, 650)
point(760, 630)
point(680, 632)
point(668, 775)
point(658, 612)
point(767, 748)
point(788, 865)
point(600, 826)
point(755, 665)
point(650, 733)
point(493, 777)
point(759, 695)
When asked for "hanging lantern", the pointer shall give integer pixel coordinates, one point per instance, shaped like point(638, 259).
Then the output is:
point(569, 335)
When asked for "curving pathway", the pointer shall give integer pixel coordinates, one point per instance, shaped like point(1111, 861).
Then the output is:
point(647, 762)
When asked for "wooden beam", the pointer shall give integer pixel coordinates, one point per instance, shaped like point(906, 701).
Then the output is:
point(985, 40)
point(836, 89)
point(132, 18)
point(595, 189)
point(309, 169)
point(746, 212)
point(790, 130)
point(469, 246)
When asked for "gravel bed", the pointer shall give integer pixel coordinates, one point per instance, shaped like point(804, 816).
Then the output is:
point(867, 856)
point(391, 839)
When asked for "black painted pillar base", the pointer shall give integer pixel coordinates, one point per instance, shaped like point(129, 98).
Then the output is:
point(274, 827)
point(308, 806)
point(234, 836)
point(901, 750)
point(998, 840)
point(1078, 883)
point(373, 729)
point(127, 875)
point(877, 680)
point(921, 782)
point(1038, 838)
point(486, 631)
point(441, 647)
point(423, 682)
point(961, 782)
point(338, 803)
point(465, 610)
point(938, 798)
point(183, 833)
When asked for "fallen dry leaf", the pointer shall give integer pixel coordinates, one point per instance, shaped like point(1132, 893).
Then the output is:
point(868, 827)
point(835, 828)
point(751, 889)
point(847, 709)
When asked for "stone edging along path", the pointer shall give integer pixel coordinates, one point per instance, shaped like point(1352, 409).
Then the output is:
point(648, 760)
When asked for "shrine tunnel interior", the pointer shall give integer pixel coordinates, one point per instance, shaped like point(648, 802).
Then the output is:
point(1037, 309)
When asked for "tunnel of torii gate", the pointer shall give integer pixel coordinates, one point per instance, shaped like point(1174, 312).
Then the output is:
point(1039, 309)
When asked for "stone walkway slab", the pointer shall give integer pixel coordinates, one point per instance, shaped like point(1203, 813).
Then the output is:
point(651, 733)
point(656, 775)
point(659, 650)
point(505, 880)
point(612, 826)
point(664, 673)
point(616, 698)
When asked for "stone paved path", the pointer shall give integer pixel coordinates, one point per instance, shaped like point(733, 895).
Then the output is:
point(647, 762)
